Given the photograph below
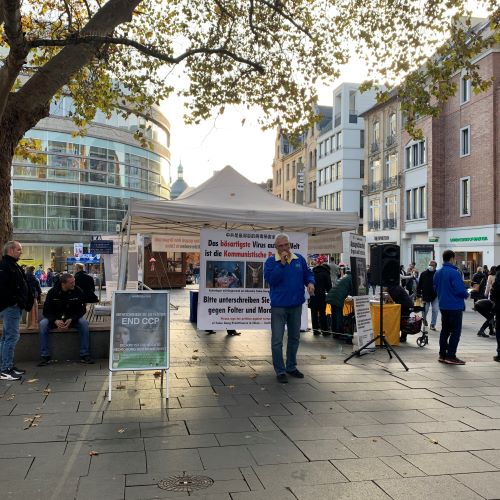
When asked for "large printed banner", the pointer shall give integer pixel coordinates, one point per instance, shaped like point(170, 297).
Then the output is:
point(233, 293)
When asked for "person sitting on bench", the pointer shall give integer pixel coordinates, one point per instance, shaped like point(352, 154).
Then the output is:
point(64, 308)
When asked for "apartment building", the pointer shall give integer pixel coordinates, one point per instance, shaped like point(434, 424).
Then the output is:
point(464, 178)
point(340, 151)
point(382, 185)
point(441, 191)
point(294, 163)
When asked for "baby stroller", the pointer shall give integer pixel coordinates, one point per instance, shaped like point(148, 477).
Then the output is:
point(485, 308)
point(411, 325)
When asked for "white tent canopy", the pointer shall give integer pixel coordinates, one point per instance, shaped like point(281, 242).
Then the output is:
point(230, 201)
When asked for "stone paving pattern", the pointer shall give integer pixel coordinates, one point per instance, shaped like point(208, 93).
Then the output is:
point(366, 429)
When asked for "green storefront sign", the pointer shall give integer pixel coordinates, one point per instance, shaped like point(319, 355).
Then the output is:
point(470, 238)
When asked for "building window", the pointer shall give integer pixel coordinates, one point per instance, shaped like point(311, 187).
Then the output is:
point(392, 125)
point(310, 159)
point(287, 171)
point(375, 177)
point(338, 168)
point(422, 202)
point(390, 212)
point(415, 154)
point(374, 216)
point(293, 169)
point(287, 196)
point(321, 179)
point(416, 203)
point(376, 133)
point(336, 201)
point(465, 141)
point(327, 146)
point(465, 196)
point(293, 196)
point(465, 90)
point(361, 199)
point(362, 169)
point(338, 143)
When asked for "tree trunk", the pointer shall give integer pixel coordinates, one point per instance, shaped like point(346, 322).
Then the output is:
point(13, 125)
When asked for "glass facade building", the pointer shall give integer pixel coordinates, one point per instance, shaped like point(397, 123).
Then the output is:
point(77, 187)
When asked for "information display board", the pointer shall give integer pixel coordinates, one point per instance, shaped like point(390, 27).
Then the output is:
point(140, 327)
point(101, 246)
point(363, 320)
point(233, 292)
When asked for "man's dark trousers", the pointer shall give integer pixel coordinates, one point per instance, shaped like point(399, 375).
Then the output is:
point(451, 329)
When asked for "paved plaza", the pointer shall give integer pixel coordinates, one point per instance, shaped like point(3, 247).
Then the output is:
point(363, 430)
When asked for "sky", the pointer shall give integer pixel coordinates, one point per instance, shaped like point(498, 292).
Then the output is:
point(210, 146)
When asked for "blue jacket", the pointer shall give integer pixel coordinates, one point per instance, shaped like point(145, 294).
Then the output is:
point(287, 281)
point(450, 288)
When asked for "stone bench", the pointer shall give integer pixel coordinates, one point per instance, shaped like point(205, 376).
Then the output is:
point(65, 344)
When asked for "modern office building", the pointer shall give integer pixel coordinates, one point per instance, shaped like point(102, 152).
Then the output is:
point(79, 187)
point(340, 153)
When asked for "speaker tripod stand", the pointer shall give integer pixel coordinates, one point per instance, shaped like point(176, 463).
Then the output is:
point(383, 341)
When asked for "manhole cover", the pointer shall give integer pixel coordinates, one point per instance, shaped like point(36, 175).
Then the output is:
point(185, 483)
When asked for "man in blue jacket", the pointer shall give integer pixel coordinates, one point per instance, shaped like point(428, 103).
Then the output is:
point(287, 274)
point(451, 292)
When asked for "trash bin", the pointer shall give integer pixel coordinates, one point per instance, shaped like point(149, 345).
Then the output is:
point(193, 306)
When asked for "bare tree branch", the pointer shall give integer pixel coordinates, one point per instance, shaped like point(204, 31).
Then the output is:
point(147, 50)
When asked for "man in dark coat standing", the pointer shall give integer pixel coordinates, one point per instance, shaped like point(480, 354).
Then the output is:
point(15, 296)
point(317, 302)
point(86, 283)
point(425, 289)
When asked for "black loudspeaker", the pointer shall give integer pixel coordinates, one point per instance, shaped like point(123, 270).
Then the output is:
point(384, 264)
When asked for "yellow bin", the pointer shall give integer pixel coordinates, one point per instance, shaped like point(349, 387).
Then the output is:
point(392, 318)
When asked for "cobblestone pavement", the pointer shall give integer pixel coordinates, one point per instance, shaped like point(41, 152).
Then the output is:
point(366, 429)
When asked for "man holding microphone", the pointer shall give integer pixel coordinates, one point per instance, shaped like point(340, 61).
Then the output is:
point(287, 274)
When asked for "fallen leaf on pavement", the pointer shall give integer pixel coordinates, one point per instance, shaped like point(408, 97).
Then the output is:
point(195, 357)
point(120, 387)
point(323, 356)
point(253, 375)
point(11, 397)
point(157, 374)
point(31, 380)
point(231, 386)
point(121, 430)
point(93, 453)
point(46, 392)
